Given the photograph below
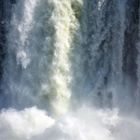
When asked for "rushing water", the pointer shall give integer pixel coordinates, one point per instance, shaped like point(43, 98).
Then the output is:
point(71, 71)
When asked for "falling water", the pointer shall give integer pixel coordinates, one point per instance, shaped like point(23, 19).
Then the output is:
point(70, 70)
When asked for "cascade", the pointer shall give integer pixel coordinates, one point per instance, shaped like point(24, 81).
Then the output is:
point(69, 69)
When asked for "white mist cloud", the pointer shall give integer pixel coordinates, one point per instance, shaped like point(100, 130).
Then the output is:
point(23, 124)
point(83, 124)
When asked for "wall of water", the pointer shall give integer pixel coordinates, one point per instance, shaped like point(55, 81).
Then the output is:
point(69, 69)
point(74, 51)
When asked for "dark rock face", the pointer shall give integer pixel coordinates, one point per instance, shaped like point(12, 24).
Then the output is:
point(131, 38)
point(5, 15)
point(13, 1)
point(2, 34)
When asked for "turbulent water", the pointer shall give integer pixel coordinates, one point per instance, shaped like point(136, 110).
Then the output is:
point(71, 70)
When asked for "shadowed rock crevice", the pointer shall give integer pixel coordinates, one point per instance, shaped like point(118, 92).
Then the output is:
point(131, 38)
point(5, 16)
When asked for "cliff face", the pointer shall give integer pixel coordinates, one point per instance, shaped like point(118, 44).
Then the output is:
point(2, 34)
point(131, 38)
point(5, 15)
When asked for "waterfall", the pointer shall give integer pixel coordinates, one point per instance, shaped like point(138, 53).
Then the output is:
point(69, 69)
point(40, 43)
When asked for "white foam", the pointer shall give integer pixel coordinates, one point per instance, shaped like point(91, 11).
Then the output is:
point(23, 124)
point(84, 124)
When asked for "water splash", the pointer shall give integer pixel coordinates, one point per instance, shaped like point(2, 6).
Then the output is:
point(61, 54)
point(34, 124)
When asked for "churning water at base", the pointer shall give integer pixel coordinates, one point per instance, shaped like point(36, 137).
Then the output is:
point(84, 124)
point(71, 71)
